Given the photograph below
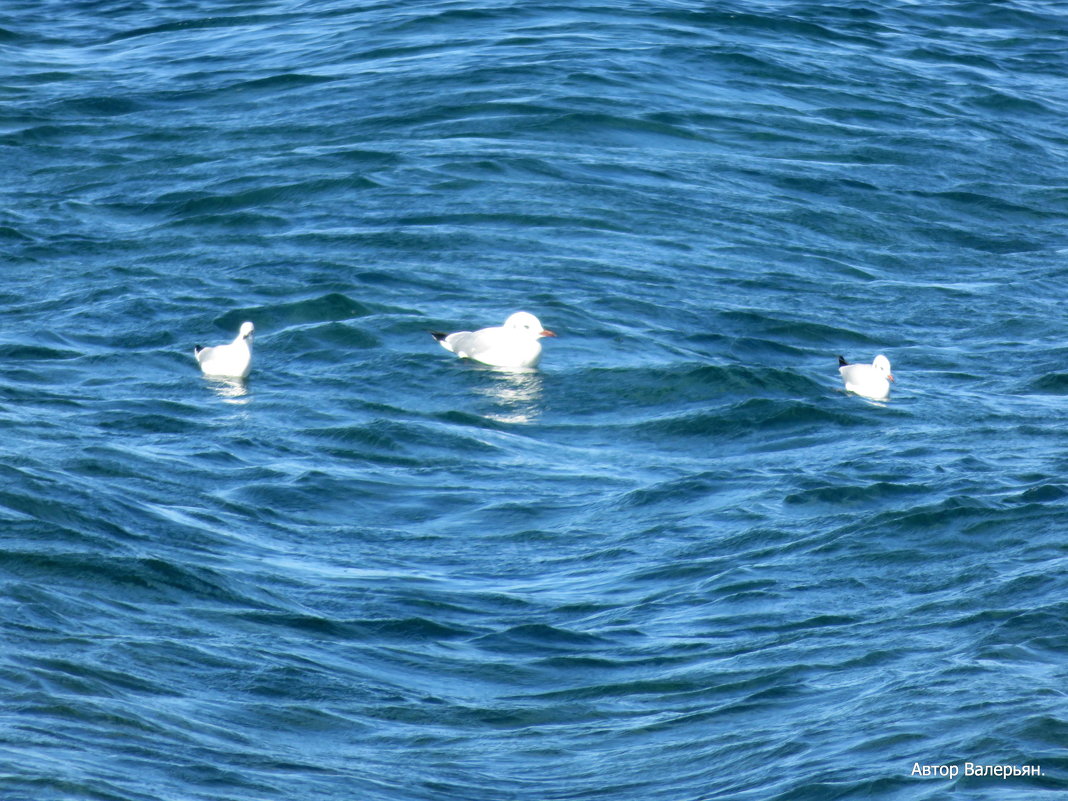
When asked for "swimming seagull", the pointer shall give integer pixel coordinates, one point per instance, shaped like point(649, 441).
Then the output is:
point(868, 380)
point(514, 344)
point(232, 360)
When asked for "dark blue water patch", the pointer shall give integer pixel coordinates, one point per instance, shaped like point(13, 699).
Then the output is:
point(704, 387)
point(745, 418)
point(185, 25)
point(332, 307)
point(239, 222)
point(411, 630)
point(154, 421)
point(14, 234)
point(193, 205)
point(533, 637)
point(35, 353)
point(407, 444)
point(856, 496)
point(1051, 384)
point(136, 580)
point(1044, 493)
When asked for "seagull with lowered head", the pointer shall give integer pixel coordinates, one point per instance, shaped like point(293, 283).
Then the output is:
point(232, 360)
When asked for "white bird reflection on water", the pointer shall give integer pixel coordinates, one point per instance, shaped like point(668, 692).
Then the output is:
point(516, 394)
point(230, 390)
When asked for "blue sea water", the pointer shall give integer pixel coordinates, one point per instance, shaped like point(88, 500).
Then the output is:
point(675, 562)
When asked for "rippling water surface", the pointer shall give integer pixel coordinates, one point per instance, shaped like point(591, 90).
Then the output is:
point(676, 561)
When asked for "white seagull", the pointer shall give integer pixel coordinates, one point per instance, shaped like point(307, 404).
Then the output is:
point(514, 344)
point(868, 380)
point(232, 360)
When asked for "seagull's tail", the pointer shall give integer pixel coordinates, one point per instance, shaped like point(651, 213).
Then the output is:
point(443, 340)
point(842, 362)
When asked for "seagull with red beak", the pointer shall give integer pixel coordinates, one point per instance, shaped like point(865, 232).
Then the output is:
point(514, 344)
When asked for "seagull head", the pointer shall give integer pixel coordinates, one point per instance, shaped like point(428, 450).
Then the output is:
point(527, 323)
point(882, 364)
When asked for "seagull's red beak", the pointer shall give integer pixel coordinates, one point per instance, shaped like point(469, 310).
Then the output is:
point(890, 376)
point(546, 333)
